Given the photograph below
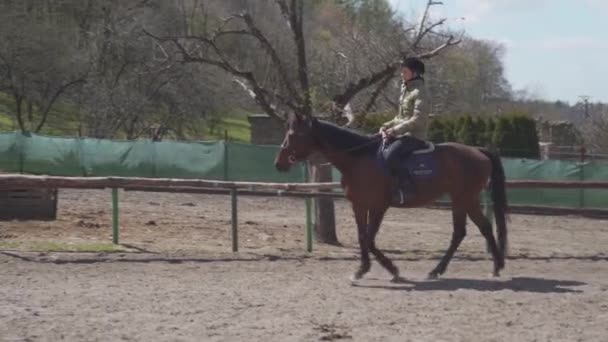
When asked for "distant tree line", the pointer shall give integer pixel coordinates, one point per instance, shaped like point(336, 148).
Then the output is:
point(512, 135)
point(86, 67)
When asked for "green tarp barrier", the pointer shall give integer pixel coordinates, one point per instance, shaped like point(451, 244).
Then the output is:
point(544, 170)
point(56, 156)
point(10, 152)
point(255, 163)
point(36, 154)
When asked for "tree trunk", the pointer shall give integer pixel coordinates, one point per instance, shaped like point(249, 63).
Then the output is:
point(324, 214)
point(19, 112)
point(30, 112)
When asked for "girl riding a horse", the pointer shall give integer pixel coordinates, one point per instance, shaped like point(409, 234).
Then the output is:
point(462, 172)
point(408, 130)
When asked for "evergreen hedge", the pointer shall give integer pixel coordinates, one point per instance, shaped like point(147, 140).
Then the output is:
point(513, 135)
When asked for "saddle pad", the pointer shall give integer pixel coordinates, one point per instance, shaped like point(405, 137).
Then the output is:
point(421, 165)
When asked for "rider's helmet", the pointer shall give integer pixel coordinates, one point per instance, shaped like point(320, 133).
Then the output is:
point(414, 64)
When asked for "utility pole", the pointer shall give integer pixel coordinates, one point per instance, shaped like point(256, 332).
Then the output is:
point(585, 99)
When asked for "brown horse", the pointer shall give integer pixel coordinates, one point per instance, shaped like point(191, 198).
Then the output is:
point(462, 172)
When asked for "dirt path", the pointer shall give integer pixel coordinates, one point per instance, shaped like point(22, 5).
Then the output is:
point(300, 300)
point(190, 288)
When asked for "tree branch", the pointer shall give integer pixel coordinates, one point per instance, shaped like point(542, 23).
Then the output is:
point(285, 12)
point(244, 78)
point(293, 15)
point(436, 51)
point(297, 27)
point(49, 105)
point(19, 110)
point(379, 89)
point(391, 102)
point(422, 34)
point(274, 56)
point(352, 89)
point(260, 96)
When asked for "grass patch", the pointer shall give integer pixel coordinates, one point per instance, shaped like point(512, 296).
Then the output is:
point(9, 245)
point(47, 246)
point(237, 126)
point(63, 121)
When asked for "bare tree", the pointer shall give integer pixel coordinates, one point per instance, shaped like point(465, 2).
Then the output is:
point(292, 90)
point(469, 79)
point(423, 39)
point(130, 90)
point(35, 69)
point(594, 133)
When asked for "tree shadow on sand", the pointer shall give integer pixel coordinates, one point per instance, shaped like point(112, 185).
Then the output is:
point(521, 284)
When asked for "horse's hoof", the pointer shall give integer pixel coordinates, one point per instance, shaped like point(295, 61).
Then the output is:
point(398, 280)
point(355, 278)
point(433, 276)
point(496, 274)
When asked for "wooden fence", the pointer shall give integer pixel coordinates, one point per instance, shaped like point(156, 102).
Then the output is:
point(298, 190)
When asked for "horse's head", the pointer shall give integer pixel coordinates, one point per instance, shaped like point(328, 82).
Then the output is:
point(298, 143)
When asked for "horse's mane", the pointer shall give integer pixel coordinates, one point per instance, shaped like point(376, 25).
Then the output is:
point(347, 140)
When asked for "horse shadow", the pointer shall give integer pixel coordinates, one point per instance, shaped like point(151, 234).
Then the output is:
point(518, 284)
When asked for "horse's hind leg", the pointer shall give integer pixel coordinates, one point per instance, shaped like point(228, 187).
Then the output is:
point(459, 216)
point(361, 219)
point(485, 227)
point(375, 220)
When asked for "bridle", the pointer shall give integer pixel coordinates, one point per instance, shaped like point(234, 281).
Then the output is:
point(293, 159)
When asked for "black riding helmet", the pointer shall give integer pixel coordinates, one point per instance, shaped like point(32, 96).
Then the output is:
point(414, 64)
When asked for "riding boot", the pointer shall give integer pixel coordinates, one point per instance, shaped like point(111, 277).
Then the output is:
point(408, 188)
point(397, 193)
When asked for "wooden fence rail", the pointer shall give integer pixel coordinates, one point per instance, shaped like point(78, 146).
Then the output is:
point(201, 186)
point(14, 181)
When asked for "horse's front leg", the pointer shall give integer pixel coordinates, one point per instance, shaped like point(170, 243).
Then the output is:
point(361, 219)
point(375, 220)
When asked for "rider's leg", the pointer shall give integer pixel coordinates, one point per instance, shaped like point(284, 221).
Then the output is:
point(392, 155)
point(410, 144)
point(403, 185)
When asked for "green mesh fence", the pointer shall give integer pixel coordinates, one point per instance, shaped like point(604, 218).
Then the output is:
point(35, 154)
point(255, 163)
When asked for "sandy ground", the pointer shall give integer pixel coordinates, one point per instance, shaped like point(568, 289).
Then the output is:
point(187, 286)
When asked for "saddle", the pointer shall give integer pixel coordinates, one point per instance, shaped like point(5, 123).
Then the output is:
point(419, 163)
point(421, 160)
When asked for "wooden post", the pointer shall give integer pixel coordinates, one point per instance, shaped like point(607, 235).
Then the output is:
point(324, 213)
point(308, 213)
point(226, 155)
point(581, 165)
point(235, 232)
point(115, 216)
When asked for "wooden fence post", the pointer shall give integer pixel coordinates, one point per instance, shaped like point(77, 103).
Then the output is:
point(235, 232)
point(115, 216)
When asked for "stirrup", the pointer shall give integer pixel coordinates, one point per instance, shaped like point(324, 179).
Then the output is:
point(403, 190)
point(400, 199)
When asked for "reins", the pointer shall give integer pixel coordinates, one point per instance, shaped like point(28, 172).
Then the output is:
point(372, 141)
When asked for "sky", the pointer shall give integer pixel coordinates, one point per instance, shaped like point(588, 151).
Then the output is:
point(558, 49)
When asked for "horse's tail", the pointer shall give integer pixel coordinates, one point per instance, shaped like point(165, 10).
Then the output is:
point(499, 198)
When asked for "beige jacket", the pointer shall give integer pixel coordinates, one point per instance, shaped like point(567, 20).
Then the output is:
point(413, 115)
